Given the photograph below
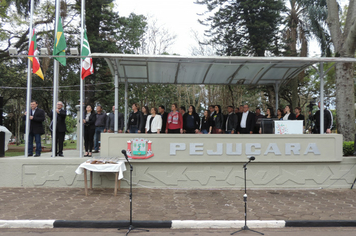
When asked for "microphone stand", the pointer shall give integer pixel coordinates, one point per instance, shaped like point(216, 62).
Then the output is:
point(245, 227)
point(131, 227)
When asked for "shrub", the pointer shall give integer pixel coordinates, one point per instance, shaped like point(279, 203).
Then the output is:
point(348, 148)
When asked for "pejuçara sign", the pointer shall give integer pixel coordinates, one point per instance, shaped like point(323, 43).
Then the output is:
point(200, 148)
point(237, 149)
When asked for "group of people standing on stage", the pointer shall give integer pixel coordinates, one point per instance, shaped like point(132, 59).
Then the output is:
point(36, 129)
point(238, 121)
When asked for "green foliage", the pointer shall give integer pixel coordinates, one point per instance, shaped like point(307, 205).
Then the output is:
point(71, 124)
point(23, 6)
point(348, 148)
point(244, 27)
point(316, 14)
point(107, 32)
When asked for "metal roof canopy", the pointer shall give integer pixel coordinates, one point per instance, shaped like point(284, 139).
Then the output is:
point(162, 69)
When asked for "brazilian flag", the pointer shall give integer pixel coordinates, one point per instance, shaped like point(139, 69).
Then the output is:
point(60, 44)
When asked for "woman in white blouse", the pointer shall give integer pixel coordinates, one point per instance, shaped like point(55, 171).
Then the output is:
point(288, 114)
point(154, 122)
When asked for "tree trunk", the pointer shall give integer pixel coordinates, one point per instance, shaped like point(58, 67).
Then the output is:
point(294, 90)
point(344, 44)
point(272, 98)
point(345, 100)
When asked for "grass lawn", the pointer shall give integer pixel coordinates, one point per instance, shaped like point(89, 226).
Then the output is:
point(19, 150)
point(8, 153)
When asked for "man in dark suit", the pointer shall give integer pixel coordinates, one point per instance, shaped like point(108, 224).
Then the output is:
point(231, 121)
point(61, 127)
point(328, 121)
point(36, 117)
point(246, 121)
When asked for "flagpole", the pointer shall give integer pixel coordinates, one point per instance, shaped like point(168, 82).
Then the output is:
point(55, 87)
point(81, 84)
point(29, 84)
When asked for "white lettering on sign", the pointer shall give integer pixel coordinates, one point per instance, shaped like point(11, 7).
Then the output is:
point(238, 149)
point(249, 151)
point(195, 148)
point(292, 147)
point(312, 148)
point(272, 148)
point(174, 147)
point(219, 150)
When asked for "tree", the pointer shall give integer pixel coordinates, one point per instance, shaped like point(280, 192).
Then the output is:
point(244, 27)
point(296, 32)
point(157, 39)
point(114, 34)
point(108, 33)
point(344, 41)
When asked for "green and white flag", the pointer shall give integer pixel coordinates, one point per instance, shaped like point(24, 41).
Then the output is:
point(87, 63)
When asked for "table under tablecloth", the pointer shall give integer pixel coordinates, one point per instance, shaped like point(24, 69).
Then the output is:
point(119, 167)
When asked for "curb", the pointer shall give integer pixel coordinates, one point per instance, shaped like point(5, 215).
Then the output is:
point(320, 223)
point(175, 224)
point(111, 224)
point(198, 224)
point(27, 224)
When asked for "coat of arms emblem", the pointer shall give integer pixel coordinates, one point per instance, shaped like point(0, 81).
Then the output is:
point(139, 148)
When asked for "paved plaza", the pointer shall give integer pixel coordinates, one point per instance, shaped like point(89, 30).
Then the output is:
point(176, 204)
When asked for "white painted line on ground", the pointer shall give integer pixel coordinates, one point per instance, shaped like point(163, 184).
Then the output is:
point(193, 224)
point(26, 223)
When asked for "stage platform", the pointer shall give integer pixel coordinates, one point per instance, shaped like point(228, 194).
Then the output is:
point(198, 161)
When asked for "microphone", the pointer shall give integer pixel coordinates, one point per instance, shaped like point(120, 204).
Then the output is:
point(251, 158)
point(124, 152)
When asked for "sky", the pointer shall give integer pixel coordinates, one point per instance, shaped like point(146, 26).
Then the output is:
point(180, 18)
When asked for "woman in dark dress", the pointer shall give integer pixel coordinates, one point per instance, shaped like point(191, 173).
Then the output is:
point(191, 121)
point(89, 130)
point(280, 114)
point(218, 118)
point(144, 116)
point(299, 116)
point(269, 113)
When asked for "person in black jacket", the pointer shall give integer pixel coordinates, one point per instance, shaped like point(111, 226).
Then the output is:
point(145, 113)
point(61, 127)
point(328, 121)
point(206, 123)
point(164, 115)
point(89, 130)
point(135, 122)
point(231, 121)
point(36, 117)
point(289, 115)
point(299, 116)
point(100, 126)
point(218, 118)
point(191, 121)
point(246, 121)
point(110, 122)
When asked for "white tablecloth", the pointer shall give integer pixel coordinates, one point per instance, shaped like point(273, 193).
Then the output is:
point(7, 135)
point(120, 167)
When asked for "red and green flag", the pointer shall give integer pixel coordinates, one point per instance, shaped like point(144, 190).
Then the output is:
point(60, 44)
point(87, 62)
point(33, 51)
